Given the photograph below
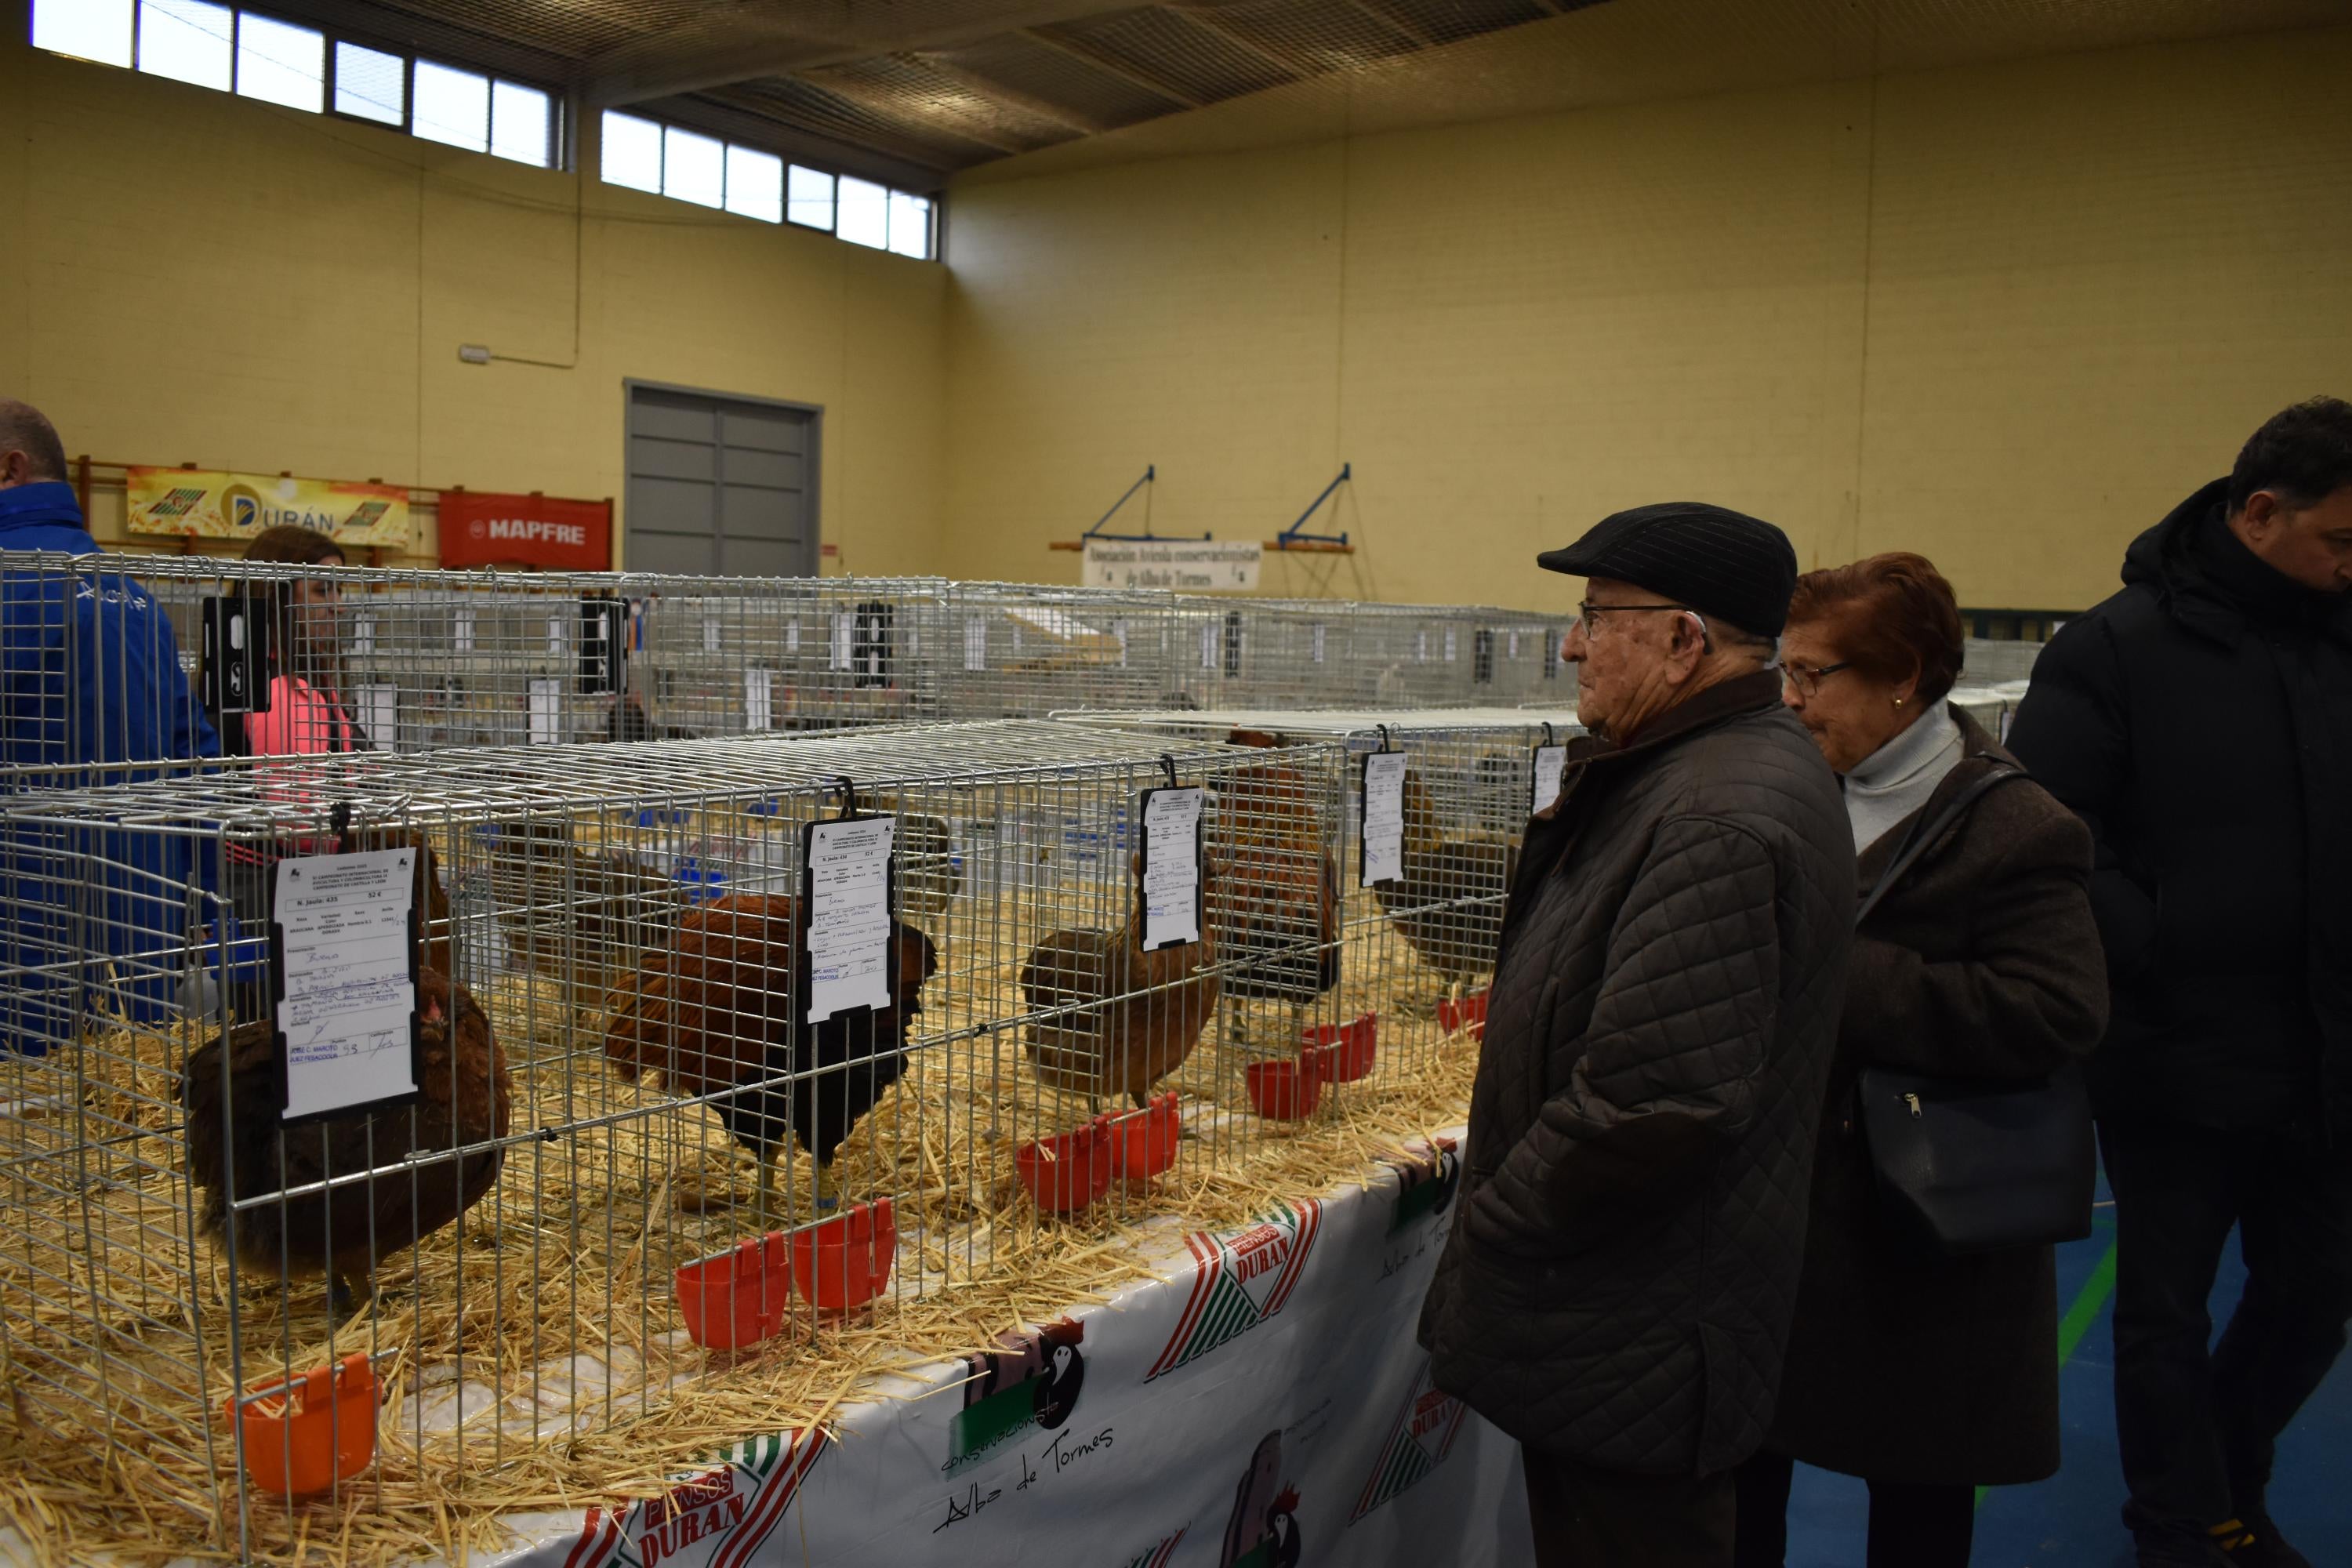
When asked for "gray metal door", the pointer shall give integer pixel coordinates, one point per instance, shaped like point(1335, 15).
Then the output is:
point(720, 484)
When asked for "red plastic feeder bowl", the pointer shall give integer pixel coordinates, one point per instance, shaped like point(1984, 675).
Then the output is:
point(1284, 1091)
point(1066, 1172)
point(846, 1261)
point(740, 1297)
point(1143, 1142)
point(1352, 1044)
point(308, 1435)
point(1470, 1013)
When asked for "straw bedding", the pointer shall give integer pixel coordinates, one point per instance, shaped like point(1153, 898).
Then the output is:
point(547, 1315)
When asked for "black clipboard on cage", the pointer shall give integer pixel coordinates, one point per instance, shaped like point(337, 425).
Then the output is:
point(1171, 855)
point(847, 960)
point(344, 931)
point(1379, 815)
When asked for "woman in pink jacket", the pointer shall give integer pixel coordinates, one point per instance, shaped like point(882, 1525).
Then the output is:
point(306, 714)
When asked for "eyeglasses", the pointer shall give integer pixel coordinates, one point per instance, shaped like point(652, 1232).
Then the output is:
point(1590, 613)
point(1808, 680)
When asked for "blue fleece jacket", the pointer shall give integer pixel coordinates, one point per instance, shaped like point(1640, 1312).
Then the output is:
point(89, 674)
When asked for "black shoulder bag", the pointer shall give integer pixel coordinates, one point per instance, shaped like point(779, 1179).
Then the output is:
point(1970, 1165)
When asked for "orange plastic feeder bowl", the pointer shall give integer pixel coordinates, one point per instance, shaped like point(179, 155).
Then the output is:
point(1353, 1046)
point(306, 1435)
point(1284, 1091)
point(1469, 1013)
point(740, 1297)
point(1143, 1142)
point(846, 1261)
point(1067, 1171)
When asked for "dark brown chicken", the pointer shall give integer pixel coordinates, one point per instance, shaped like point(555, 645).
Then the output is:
point(238, 1148)
point(1135, 1016)
point(715, 1012)
point(1448, 904)
point(1275, 905)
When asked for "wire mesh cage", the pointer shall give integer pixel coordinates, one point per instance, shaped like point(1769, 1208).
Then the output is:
point(621, 1141)
point(1418, 944)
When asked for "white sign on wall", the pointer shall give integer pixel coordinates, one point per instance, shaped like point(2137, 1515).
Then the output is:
point(1183, 565)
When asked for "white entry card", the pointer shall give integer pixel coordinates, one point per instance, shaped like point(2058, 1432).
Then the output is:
point(710, 634)
point(546, 712)
point(1172, 867)
point(380, 716)
point(848, 926)
point(1551, 762)
point(1382, 859)
point(975, 643)
point(461, 632)
point(350, 999)
point(845, 633)
point(759, 699)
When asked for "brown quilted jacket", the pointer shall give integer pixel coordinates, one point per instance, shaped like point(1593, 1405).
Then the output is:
point(1618, 1286)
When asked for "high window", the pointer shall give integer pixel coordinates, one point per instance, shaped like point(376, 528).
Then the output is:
point(672, 161)
point(255, 55)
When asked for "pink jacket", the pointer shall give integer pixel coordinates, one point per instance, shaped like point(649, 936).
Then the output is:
point(303, 720)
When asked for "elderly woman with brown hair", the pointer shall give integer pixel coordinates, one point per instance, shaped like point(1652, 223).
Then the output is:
point(1925, 1373)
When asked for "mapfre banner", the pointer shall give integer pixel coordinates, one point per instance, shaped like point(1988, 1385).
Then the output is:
point(482, 529)
point(207, 503)
point(1261, 1405)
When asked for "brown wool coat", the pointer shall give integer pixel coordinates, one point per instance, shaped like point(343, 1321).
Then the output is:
point(1982, 961)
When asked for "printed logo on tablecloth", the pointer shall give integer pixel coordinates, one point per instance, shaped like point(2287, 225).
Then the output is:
point(1239, 1281)
point(1263, 1532)
point(717, 1520)
point(1032, 1380)
point(1426, 1185)
point(1424, 1434)
point(1159, 1555)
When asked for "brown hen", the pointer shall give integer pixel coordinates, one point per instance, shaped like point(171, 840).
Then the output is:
point(1448, 904)
point(1135, 1015)
point(1275, 904)
point(715, 1012)
point(238, 1148)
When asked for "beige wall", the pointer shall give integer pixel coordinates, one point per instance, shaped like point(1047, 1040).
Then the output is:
point(186, 276)
point(2007, 315)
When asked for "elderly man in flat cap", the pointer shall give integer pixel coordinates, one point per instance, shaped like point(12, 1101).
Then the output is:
point(1617, 1287)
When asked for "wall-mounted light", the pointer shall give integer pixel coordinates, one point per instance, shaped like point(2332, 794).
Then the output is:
point(474, 353)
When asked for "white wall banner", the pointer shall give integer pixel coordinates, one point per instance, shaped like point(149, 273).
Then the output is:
point(1262, 1404)
point(1184, 565)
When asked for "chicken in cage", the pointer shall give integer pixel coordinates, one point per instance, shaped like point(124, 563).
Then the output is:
point(494, 1063)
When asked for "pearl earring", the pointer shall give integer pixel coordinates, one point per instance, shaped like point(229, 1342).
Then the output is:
point(1898, 702)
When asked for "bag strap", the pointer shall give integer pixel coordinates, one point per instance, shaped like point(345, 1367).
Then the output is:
point(1915, 843)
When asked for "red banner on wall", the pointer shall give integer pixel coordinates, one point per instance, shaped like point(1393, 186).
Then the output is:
point(480, 528)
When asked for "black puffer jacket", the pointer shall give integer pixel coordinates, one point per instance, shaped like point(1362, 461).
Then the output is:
point(2201, 720)
point(1617, 1285)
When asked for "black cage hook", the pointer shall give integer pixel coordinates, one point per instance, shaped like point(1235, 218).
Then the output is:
point(1169, 762)
point(1383, 728)
point(1550, 738)
point(848, 790)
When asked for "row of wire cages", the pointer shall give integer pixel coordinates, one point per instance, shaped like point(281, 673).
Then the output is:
point(426, 1112)
point(1430, 859)
point(279, 659)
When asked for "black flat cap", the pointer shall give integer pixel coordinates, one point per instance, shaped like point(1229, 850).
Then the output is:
point(1721, 562)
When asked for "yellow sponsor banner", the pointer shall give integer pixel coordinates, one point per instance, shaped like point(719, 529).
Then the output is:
point(207, 503)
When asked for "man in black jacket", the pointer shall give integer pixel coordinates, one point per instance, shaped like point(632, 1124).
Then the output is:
point(1616, 1292)
point(2201, 721)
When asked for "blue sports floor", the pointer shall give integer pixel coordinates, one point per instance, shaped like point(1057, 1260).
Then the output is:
point(2071, 1519)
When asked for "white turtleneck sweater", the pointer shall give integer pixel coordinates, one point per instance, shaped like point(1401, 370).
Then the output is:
point(1896, 779)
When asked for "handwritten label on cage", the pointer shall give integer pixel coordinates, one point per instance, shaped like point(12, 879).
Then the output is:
point(1319, 630)
point(1209, 640)
point(759, 699)
point(1449, 645)
point(349, 1007)
point(1421, 648)
point(1551, 765)
point(378, 715)
point(848, 925)
point(363, 635)
point(545, 699)
point(792, 636)
point(1383, 814)
point(710, 634)
point(1118, 633)
point(845, 639)
point(1171, 866)
point(461, 632)
point(1511, 643)
point(975, 643)
point(558, 638)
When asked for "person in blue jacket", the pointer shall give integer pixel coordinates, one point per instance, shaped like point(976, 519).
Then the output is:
point(89, 678)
